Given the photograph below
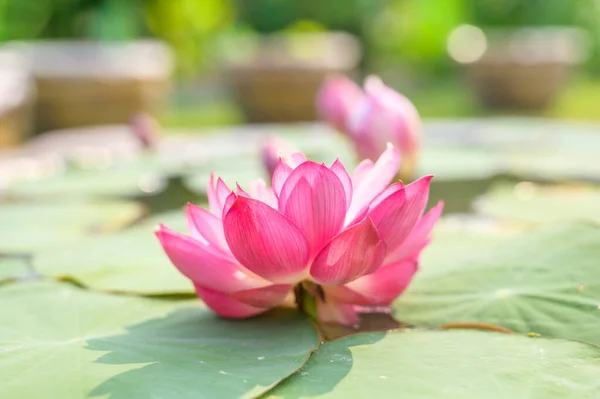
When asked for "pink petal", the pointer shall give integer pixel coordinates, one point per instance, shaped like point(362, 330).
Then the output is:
point(265, 241)
point(398, 213)
point(376, 201)
point(273, 149)
point(270, 155)
point(206, 227)
point(335, 312)
point(222, 190)
point(374, 182)
point(391, 189)
point(228, 203)
point(313, 198)
point(211, 193)
point(226, 306)
point(354, 252)
point(361, 171)
point(204, 265)
point(373, 124)
point(343, 294)
point(336, 99)
point(379, 288)
point(341, 173)
point(418, 238)
point(370, 128)
point(240, 191)
point(276, 150)
point(295, 159)
point(403, 118)
point(383, 116)
point(267, 297)
point(217, 193)
point(280, 175)
point(260, 191)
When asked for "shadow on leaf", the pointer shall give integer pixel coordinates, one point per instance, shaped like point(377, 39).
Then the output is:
point(325, 369)
point(369, 322)
point(192, 353)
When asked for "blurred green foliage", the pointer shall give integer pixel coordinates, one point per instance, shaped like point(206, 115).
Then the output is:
point(275, 15)
point(415, 31)
point(519, 13)
point(189, 26)
point(410, 32)
point(511, 13)
point(101, 19)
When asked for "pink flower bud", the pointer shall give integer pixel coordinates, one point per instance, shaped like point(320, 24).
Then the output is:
point(275, 149)
point(146, 129)
point(377, 116)
point(336, 99)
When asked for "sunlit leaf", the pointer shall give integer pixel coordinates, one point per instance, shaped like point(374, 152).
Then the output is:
point(451, 163)
point(146, 174)
point(454, 237)
point(128, 261)
point(544, 282)
point(528, 202)
point(31, 226)
point(13, 268)
point(446, 364)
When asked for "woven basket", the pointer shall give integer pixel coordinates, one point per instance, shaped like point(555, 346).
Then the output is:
point(279, 80)
point(525, 69)
point(83, 83)
point(16, 99)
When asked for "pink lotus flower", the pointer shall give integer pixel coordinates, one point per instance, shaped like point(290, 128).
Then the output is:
point(372, 118)
point(351, 241)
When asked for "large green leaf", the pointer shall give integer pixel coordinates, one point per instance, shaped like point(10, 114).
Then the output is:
point(528, 147)
point(13, 268)
point(455, 236)
point(174, 219)
point(491, 133)
point(514, 134)
point(31, 226)
point(446, 364)
point(145, 174)
point(128, 261)
point(456, 193)
point(455, 163)
point(560, 152)
point(533, 203)
point(554, 166)
point(545, 282)
point(232, 170)
point(57, 341)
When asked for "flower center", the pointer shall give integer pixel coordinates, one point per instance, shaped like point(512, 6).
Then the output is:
point(307, 294)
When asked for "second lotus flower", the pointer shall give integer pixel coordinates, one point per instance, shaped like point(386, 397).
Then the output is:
point(371, 117)
point(354, 239)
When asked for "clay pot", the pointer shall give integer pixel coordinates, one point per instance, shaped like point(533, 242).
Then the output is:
point(16, 99)
point(279, 80)
point(523, 68)
point(83, 83)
